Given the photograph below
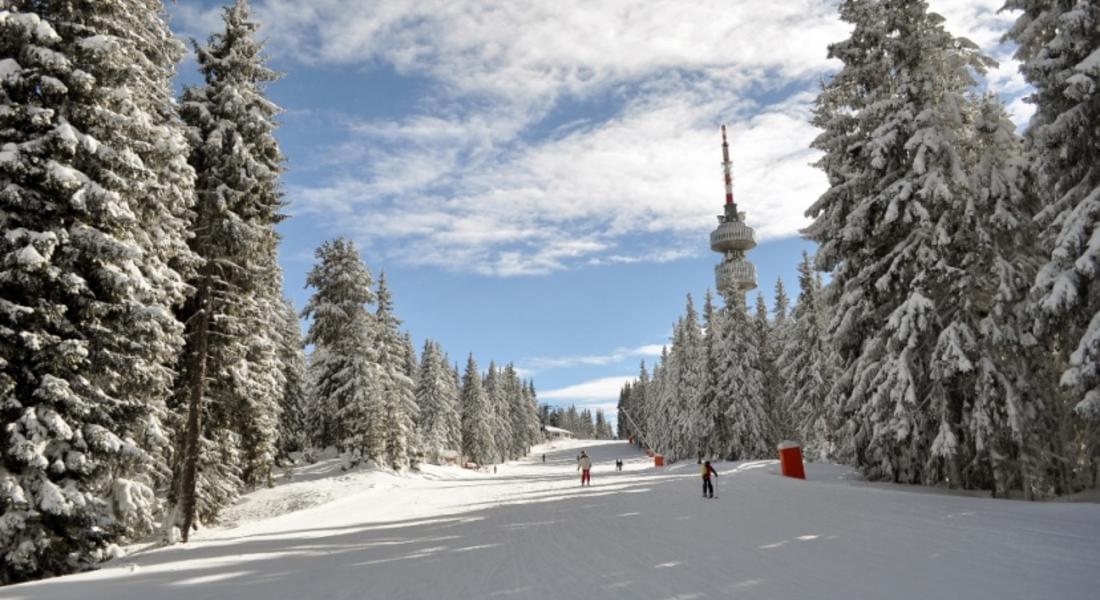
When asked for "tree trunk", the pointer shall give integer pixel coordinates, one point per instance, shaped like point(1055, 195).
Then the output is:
point(196, 387)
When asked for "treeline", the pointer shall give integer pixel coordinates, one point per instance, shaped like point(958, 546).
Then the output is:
point(151, 369)
point(370, 396)
point(583, 423)
point(957, 341)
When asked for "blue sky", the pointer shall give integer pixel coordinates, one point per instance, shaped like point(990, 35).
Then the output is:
point(538, 179)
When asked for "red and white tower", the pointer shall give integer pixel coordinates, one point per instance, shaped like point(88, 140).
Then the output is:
point(732, 238)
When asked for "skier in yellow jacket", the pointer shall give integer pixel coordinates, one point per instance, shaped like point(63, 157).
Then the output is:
point(708, 487)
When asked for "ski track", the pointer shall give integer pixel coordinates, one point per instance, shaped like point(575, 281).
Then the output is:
point(531, 532)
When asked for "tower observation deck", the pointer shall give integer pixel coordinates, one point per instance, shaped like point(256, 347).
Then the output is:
point(732, 238)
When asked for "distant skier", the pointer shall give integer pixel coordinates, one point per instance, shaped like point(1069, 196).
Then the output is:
point(708, 487)
point(543, 458)
point(584, 464)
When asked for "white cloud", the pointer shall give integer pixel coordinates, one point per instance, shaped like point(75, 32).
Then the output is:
point(616, 356)
point(604, 388)
point(480, 176)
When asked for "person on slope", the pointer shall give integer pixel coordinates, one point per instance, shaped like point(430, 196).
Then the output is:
point(584, 465)
point(708, 487)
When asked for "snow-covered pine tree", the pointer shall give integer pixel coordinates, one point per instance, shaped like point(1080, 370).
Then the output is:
point(624, 429)
point(230, 369)
point(637, 416)
point(894, 126)
point(691, 385)
point(779, 331)
point(477, 417)
point(412, 365)
point(437, 401)
point(994, 264)
point(517, 412)
point(455, 419)
point(741, 385)
point(93, 251)
point(344, 377)
point(603, 426)
point(806, 368)
point(292, 400)
point(655, 397)
point(499, 410)
point(1059, 48)
point(534, 423)
point(767, 354)
point(710, 417)
point(398, 391)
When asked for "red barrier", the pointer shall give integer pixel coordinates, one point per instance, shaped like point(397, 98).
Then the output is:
point(790, 460)
point(658, 460)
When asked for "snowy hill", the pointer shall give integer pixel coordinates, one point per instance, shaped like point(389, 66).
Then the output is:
point(530, 531)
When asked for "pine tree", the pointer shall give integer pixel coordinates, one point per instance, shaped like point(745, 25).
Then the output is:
point(500, 424)
point(412, 365)
point(996, 261)
point(438, 402)
point(896, 123)
point(477, 417)
point(691, 386)
point(399, 411)
point(1058, 45)
point(534, 422)
point(292, 401)
point(518, 442)
point(230, 368)
point(767, 355)
point(94, 251)
point(344, 377)
point(710, 417)
point(779, 331)
point(740, 386)
point(806, 368)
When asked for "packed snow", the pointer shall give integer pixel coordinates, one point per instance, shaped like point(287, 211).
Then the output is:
point(528, 530)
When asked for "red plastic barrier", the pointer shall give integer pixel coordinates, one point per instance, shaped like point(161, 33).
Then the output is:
point(790, 460)
point(658, 460)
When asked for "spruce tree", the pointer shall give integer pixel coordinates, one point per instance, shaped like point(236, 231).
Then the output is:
point(895, 126)
point(778, 335)
point(806, 368)
point(767, 354)
point(398, 391)
point(740, 386)
point(477, 417)
point(293, 436)
point(1058, 45)
point(710, 417)
point(231, 377)
point(1003, 414)
point(94, 199)
point(437, 400)
point(691, 387)
point(499, 423)
point(344, 374)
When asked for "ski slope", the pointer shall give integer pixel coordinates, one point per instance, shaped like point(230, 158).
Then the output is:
point(531, 532)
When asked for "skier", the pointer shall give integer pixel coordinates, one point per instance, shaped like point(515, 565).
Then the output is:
point(584, 464)
point(708, 487)
point(543, 458)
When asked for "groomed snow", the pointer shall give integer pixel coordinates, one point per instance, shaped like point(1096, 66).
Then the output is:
point(529, 531)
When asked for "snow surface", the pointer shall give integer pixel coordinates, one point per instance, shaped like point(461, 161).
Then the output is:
point(530, 531)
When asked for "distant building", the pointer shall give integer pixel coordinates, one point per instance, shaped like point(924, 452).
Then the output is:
point(556, 433)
